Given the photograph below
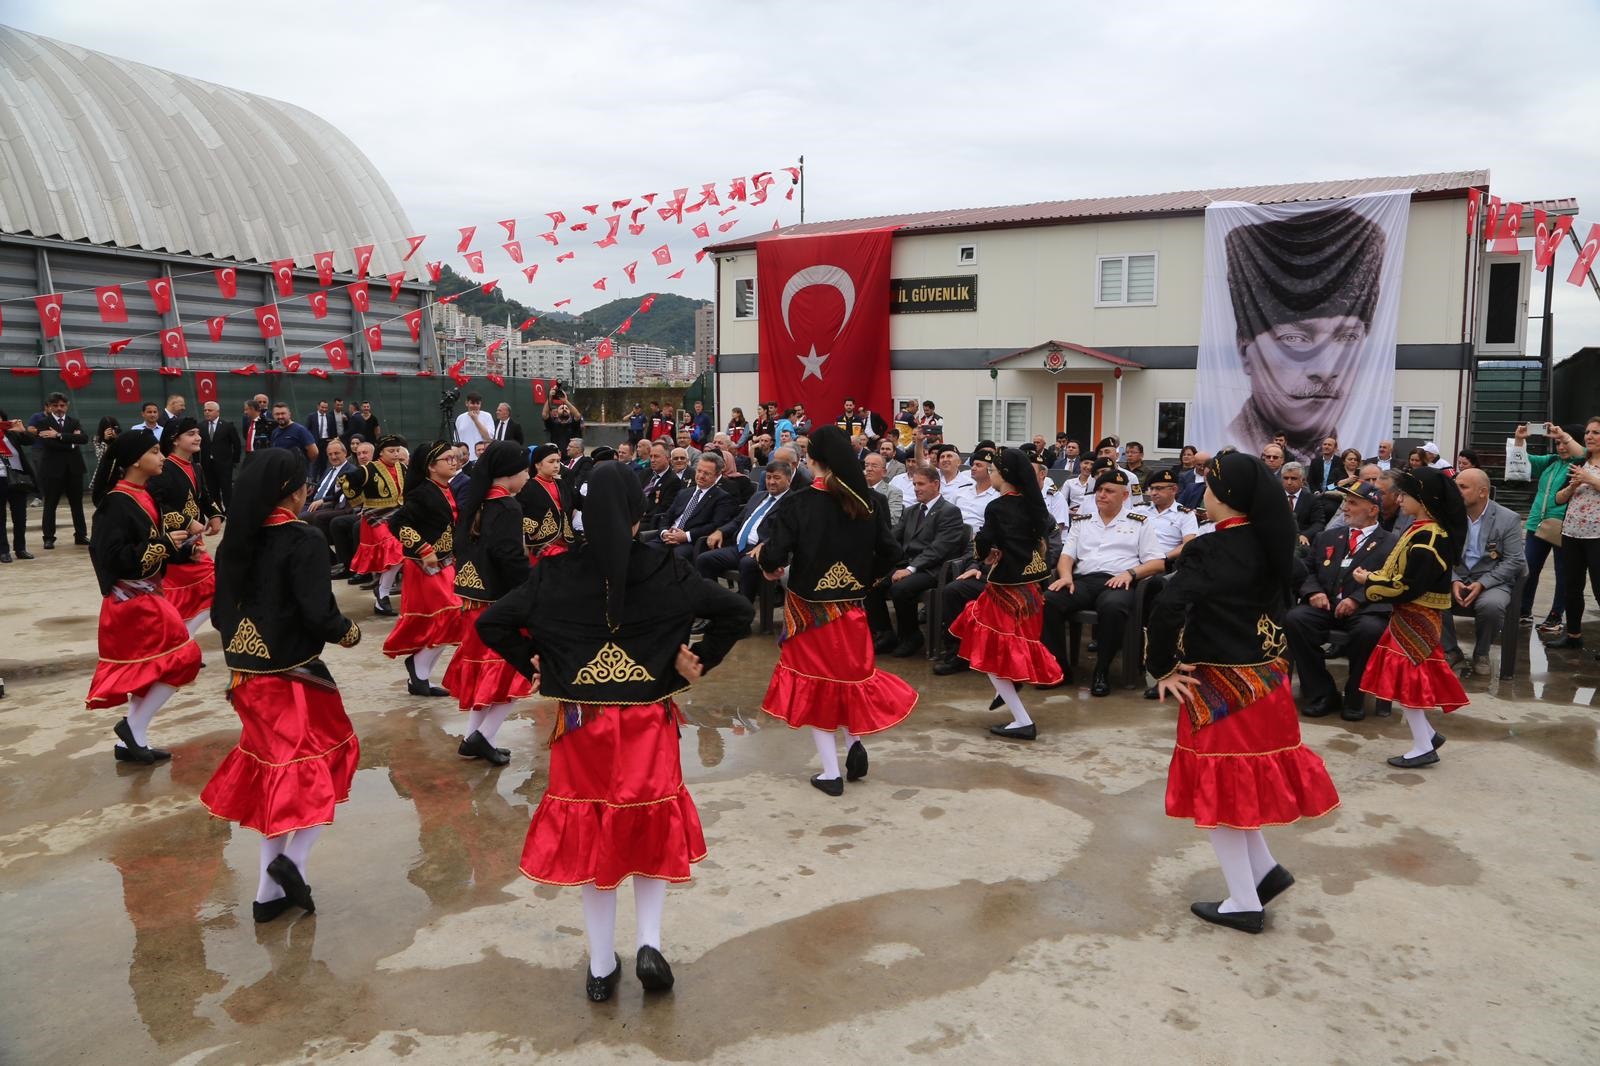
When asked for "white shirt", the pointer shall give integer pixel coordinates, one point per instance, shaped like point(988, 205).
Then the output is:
point(469, 432)
point(949, 489)
point(972, 504)
point(155, 430)
point(1077, 491)
point(1171, 525)
point(1057, 503)
point(908, 491)
point(1100, 547)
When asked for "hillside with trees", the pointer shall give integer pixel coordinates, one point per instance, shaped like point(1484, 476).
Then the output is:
point(669, 324)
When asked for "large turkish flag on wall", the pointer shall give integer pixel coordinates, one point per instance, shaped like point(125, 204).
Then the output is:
point(824, 317)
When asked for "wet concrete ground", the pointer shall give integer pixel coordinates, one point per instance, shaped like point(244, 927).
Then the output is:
point(971, 900)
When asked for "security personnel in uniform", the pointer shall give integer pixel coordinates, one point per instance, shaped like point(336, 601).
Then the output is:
point(1105, 552)
point(1175, 526)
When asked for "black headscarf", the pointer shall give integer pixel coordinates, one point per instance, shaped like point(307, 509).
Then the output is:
point(614, 503)
point(831, 447)
point(1324, 264)
point(501, 458)
point(427, 454)
point(265, 479)
point(1442, 498)
point(175, 429)
point(603, 454)
point(392, 440)
point(1017, 469)
point(541, 453)
point(119, 455)
point(1244, 483)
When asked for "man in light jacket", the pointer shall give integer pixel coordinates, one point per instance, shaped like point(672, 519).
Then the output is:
point(1491, 563)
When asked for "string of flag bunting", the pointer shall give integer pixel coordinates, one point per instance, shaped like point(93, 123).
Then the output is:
point(1501, 227)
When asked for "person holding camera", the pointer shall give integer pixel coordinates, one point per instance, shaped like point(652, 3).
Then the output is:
point(565, 422)
point(1542, 528)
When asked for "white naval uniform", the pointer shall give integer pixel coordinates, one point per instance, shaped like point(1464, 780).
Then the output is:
point(1058, 503)
point(1171, 525)
point(1077, 492)
point(1100, 547)
point(949, 489)
point(972, 504)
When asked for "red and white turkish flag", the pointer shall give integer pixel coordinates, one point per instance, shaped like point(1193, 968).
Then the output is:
point(170, 371)
point(1547, 238)
point(160, 294)
point(466, 238)
point(374, 335)
point(564, 256)
point(613, 224)
point(267, 318)
point(631, 269)
point(605, 349)
point(539, 391)
point(318, 302)
point(363, 259)
point(488, 286)
point(675, 275)
point(647, 303)
point(527, 323)
point(1586, 256)
point(702, 230)
point(824, 317)
point(514, 250)
point(474, 262)
point(529, 271)
point(494, 346)
point(1474, 200)
point(318, 372)
point(601, 285)
point(627, 324)
point(109, 299)
point(205, 386)
point(457, 374)
point(593, 209)
point(283, 274)
point(663, 255)
point(551, 237)
point(414, 243)
point(1491, 218)
point(324, 262)
point(395, 280)
point(585, 361)
point(413, 321)
point(214, 326)
point(291, 362)
point(227, 282)
point(360, 298)
point(74, 368)
point(496, 380)
point(510, 225)
point(1510, 229)
point(338, 355)
point(556, 218)
point(173, 343)
point(127, 386)
point(118, 347)
point(563, 303)
point(249, 370)
point(701, 253)
point(49, 314)
point(435, 272)
point(728, 225)
point(736, 189)
point(578, 227)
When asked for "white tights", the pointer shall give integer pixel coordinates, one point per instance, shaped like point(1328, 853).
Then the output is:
point(489, 720)
point(600, 920)
point(425, 659)
point(386, 580)
point(141, 709)
point(1421, 731)
point(1007, 691)
point(297, 846)
point(828, 752)
point(198, 620)
point(1245, 860)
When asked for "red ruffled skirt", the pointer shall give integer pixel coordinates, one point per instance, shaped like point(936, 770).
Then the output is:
point(294, 761)
point(377, 549)
point(1391, 675)
point(142, 641)
point(996, 640)
point(430, 612)
point(191, 586)
point(1248, 769)
point(477, 677)
point(616, 806)
point(827, 677)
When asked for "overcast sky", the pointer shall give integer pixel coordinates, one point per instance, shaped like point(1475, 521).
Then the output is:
point(476, 111)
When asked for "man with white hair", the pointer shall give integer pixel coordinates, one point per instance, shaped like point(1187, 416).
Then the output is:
point(1491, 562)
point(874, 467)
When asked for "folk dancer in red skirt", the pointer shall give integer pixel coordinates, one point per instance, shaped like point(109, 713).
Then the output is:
point(378, 488)
point(297, 753)
point(146, 652)
point(1216, 643)
point(1408, 666)
point(834, 538)
point(491, 560)
point(430, 610)
point(186, 502)
point(999, 631)
point(606, 626)
point(547, 506)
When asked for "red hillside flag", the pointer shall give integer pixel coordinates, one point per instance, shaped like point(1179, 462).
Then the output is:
point(663, 255)
point(74, 368)
point(318, 302)
point(494, 346)
point(435, 272)
point(413, 244)
point(474, 262)
point(283, 274)
point(675, 275)
point(118, 347)
point(360, 296)
point(514, 250)
point(249, 370)
point(269, 322)
point(647, 303)
point(227, 282)
point(374, 337)
point(631, 269)
point(173, 343)
point(488, 286)
point(563, 303)
point(109, 298)
point(627, 324)
point(363, 259)
point(1586, 256)
point(702, 230)
point(551, 237)
point(395, 280)
point(291, 363)
point(823, 307)
point(127, 386)
point(457, 375)
point(214, 327)
point(338, 354)
point(601, 285)
point(324, 265)
point(466, 238)
point(1547, 238)
point(205, 386)
point(496, 380)
point(529, 271)
point(49, 314)
point(318, 372)
point(510, 225)
point(578, 227)
point(160, 294)
point(605, 349)
point(555, 217)
point(527, 323)
point(564, 256)
point(413, 321)
point(1510, 230)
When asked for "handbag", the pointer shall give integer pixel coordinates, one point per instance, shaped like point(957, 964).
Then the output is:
point(1549, 531)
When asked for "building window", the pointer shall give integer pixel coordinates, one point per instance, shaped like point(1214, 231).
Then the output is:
point(1125, 280)
point(744, 298)
point(967, 255)
point(1416, 420)
point(1172, 423)
point(1014, 422)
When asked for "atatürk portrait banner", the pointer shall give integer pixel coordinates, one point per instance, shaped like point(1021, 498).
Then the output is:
point(1299, 308)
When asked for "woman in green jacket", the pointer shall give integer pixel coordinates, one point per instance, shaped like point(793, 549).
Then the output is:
point(1549, 474)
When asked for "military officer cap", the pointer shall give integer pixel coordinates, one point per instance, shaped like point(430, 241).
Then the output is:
point(983, 455)
point(1111, 477)
point(1162, 477)
point(1362, 491)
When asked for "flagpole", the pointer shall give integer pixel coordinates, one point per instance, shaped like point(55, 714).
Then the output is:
point(802, 190)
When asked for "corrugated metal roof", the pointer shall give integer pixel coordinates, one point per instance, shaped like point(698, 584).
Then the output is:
point(100, 149)
point(1105, 207)
point(1092, 353)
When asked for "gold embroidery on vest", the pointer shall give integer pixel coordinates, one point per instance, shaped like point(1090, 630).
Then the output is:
point(1036, 564)
point(410, 537)
point(548, 528)
point(467, 577)
point(247, 641)
point(153, 557)
point(839, 577)
point(191, 510)
point(1272, 639)
point(529, 529)
point(173, 520)
point(445, 542)
point(611, 665)
point(352, 636)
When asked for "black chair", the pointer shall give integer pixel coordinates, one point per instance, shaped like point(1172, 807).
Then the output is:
point(1132, 667)
point(1510, 630)
point(1336, 648)
point(933, 610)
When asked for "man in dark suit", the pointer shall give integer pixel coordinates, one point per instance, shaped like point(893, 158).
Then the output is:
point(1302, 501)
point(176, 406)
point(324, 427)
point(734, 544)
point(698, 509)
point(930, 532)
point(661, 486)
point(255, 429)
point(1332, 602)
point(220, 451)
point(58, 436)
point(1325, 467)
point(504, 427)
point(326, 500)
point(362, 423)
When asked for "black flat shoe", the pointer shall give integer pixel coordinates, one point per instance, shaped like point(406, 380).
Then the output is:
point(5, 557)
point(82, 542)
point(947, 667)
point(1353, 714)
point(1016, 732)
point(418, 687)
point(600, 989)
point(140, 756)
point(1438, 741)
point(1427, 758)
point(1152, 693)
point(356, 579)
point(1317, 709)
point(855, 762)
point(1244, 921)
point(833, 786)
point(1100, 686)
point(24, 554)
point(159, 754)
point(652, 970)
point(475, 747)
point(1565, 642)
point(265, 912)
point(49, 545)
point(882, 642)
point(133, 751)
point(287, 874)
point(380, 605)
point(1273, 884)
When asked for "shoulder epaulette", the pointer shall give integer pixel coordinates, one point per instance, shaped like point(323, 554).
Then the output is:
point(1185, 510)
point(1079, 517)
point(1136, 516)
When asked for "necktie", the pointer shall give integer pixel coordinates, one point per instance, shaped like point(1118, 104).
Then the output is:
point(500, 431)
point(683, 519)
point(327, 483)
point(1355, 538)
point(753, 523)
point(250, 436)
point(915, 522)
point(1293, 498)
